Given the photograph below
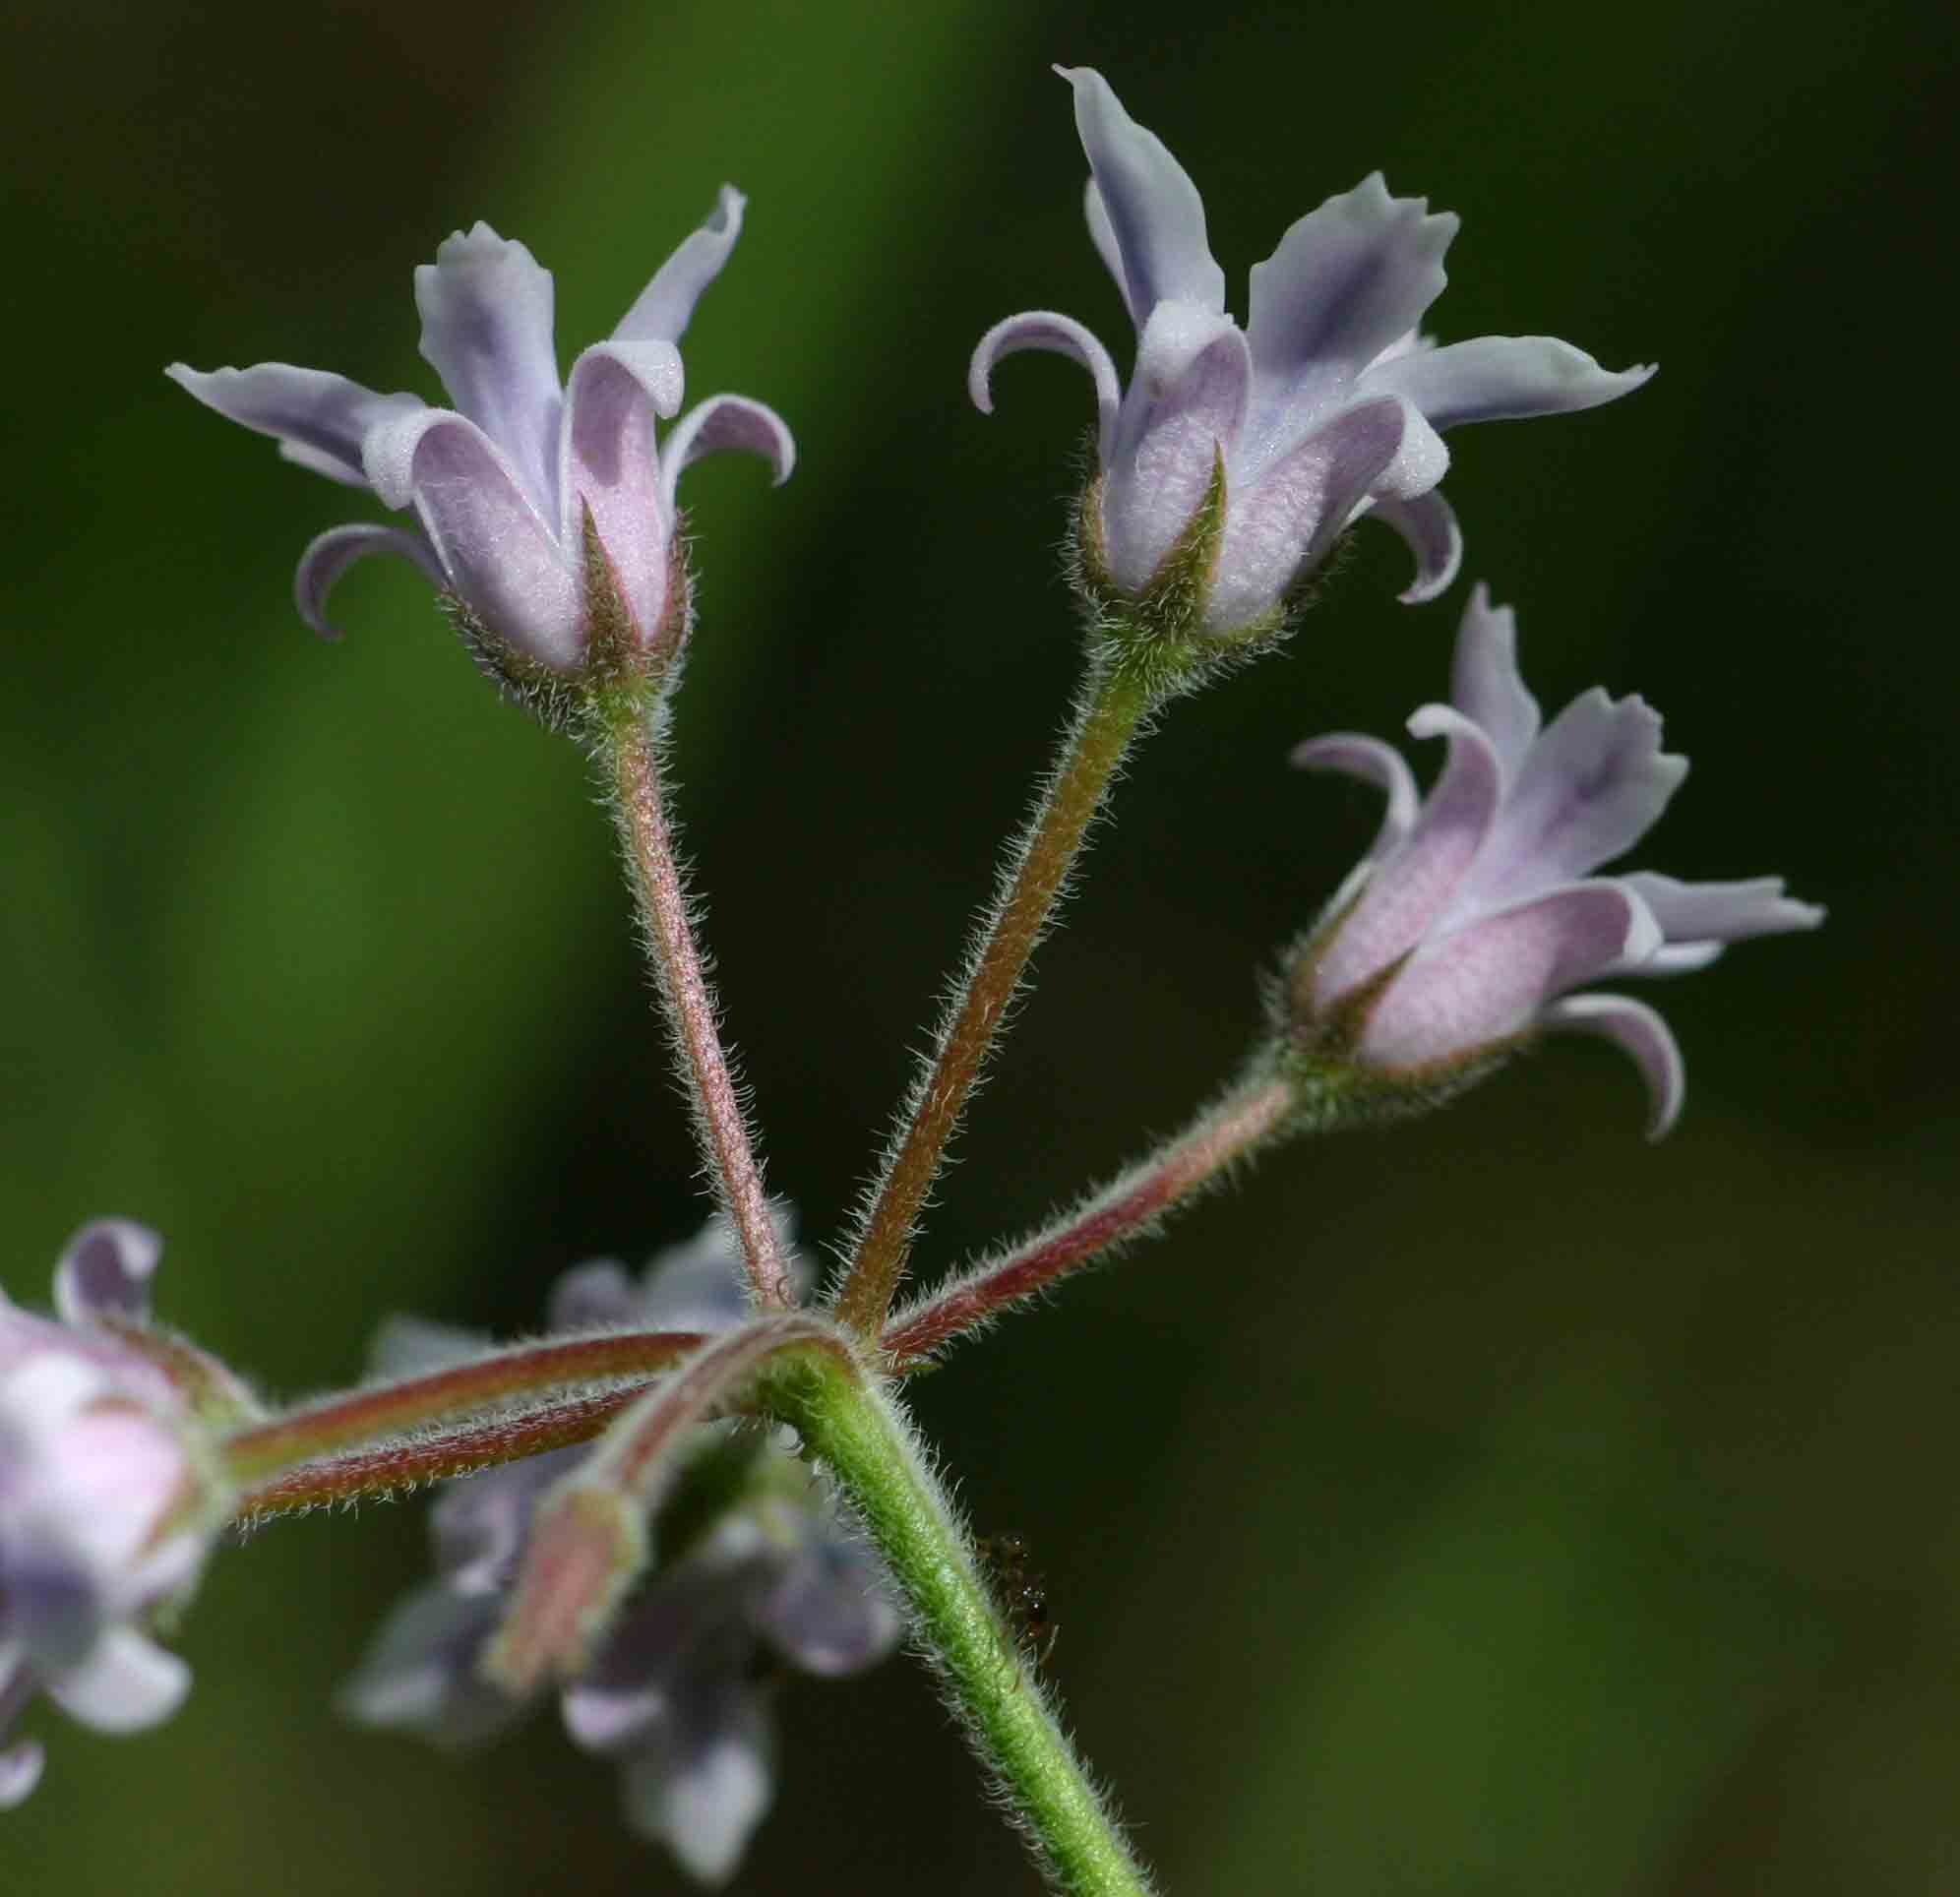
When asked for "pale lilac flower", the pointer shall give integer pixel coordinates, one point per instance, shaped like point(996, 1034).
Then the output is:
point(1477, 911)
point(95, 1455)
point(502, 484)
point(1327, 405)
point(677, 1693)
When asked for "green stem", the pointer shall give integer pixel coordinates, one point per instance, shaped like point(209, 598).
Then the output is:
point(632, 747)
point(256, 1455)
point(1114, 703)
point(863, 1436)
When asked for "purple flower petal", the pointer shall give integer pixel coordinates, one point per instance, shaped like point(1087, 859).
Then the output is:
point(591, 1295)
point(1491, 979)
point(701, 1285)
point(1284, 520)
point(1346, 281)
point(125, 1685)
point(1487, 686)
point(497, 551)
point(19, 1772)
point(486, 305)
point(1720, 912)
point(1427, 523)
point(828, 1611)
point(1503, 378)
point(612, 465)
point(1634, 1027)
point(420, 1672)
point(725, 423)
point(1415, 882)
point(1064, 335)
point(105, 1272)
point(479, 1523)
point(1373, 763)
point(702, 1794)
point(1154, 215)
point(1593, 784)
point(661, 311)
point(319, 420)
point(329, 555)
point(1187, 400)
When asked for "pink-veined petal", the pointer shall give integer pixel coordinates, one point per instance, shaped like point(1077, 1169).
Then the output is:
point(1063, 336)
point(1154, 215)
point(329, 555)
point(1491, 979)
point(486, 307)
point(1186, 402)
point(1634, 1028)
point(1280, 523)
point(495, 549)
point(1415, 882)
point(612, 465)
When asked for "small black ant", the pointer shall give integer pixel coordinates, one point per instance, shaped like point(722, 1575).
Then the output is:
point(1021, 1595)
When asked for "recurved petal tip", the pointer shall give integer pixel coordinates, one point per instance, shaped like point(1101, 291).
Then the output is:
point(1638, 1030)
point(106, 1271)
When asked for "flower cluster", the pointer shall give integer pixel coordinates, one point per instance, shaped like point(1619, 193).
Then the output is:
point(529, 493)
point(1327, 405)
point(104, 1505)
point(754, 1566)
point(1477, 911)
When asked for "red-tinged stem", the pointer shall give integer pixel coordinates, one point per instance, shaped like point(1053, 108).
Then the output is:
point(457, 1453)
point(1134, 1206)
point(589, 1539)
point(256, 1455)
point(720, 1125)
point(1113, 705)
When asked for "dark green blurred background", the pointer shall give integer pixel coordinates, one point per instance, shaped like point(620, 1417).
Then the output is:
point(1499, 1505)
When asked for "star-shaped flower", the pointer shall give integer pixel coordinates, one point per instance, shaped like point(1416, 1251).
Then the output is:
point(1327, 405)
point(508, 485)
point(1477, 911)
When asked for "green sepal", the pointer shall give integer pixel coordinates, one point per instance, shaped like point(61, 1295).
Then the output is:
point(1158, 635)
point(625, 668)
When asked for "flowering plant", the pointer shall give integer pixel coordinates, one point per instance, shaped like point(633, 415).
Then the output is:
point(690, 1487)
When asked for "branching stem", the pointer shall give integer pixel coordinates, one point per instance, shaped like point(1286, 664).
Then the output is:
point(1131, 1206)
point(1114, 703)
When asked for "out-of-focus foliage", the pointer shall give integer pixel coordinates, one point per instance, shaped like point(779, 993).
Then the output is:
point(1493, 1505)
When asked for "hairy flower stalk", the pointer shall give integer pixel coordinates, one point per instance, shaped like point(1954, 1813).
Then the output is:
point(1113, 706)
point(1133, 1208)
point(630, 744)
point(533, 1374)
